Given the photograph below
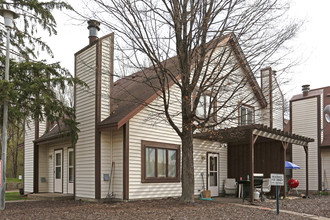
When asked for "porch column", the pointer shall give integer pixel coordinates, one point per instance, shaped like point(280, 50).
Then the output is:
point(253, 140)
point(285, 147)
point(306, 152)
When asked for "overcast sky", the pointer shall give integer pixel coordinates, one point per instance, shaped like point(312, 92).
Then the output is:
point(311, 45)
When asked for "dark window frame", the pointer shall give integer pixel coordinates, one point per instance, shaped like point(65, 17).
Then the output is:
point(158, 145)
point(240, 114)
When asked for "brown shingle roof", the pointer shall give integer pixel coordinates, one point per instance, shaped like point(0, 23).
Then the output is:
point(56, 131)
point(134, 92)
point(310, 94)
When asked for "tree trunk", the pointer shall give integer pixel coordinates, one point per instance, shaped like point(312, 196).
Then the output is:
point(188, 182)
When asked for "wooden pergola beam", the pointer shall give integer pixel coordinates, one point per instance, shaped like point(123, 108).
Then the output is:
point(279, 137)
point(252, 142)
point(306, 152)
point(285, 147)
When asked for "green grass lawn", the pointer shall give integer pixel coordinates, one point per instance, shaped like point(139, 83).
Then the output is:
point(11, 196)
point(14, 180)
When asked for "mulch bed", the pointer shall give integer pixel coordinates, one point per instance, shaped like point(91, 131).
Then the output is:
point(158, 209)
point(315, 205)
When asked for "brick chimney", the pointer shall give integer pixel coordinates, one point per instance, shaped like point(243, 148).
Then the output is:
point(93, 27)
point(305, 90)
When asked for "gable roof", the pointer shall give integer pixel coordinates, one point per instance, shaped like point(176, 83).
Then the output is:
point(58, 130)
point(134, 92)
point(131, 93)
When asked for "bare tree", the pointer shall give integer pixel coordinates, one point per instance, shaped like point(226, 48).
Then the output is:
point(193, 45)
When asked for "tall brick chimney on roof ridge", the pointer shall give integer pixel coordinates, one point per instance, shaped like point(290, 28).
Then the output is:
point(93, 27)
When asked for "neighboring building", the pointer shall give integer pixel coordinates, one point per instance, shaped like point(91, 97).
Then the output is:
point(308, 119)
point(123, 132)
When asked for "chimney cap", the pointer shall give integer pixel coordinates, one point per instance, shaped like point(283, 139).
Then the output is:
point(305, 88)
point(93, 24)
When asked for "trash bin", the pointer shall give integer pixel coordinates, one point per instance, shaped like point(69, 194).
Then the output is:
point(256, 195)
point(21, 192)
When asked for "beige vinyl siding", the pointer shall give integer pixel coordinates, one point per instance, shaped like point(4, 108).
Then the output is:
point(304, 122)
point(322, 116)
point(42, 128)
point(277, 100)
point(28, 156)
point(43, 168)
point(278, 104)
point(149, 126)
point(105, 73)
point(244, 95)
point(106, 160)
point(265, 90)
point(325, 155)
point(112, 151)
point(201, 147)
point(46, 165)
point(85, 115)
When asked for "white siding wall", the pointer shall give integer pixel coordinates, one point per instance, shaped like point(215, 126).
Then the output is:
point(85, 113)
point(147, 126)
point(43, 168)
point(105, 72)
point(278, 104)
point(304, 122)
point(42, 128)
point(150, 125)
point(29, 152)
point(112, 151)
point(243, 94)
point(322, 115)
point(46, 165)
point(28, 157)
point(325, 155)
point(265, 90)
point(277, 99)
point(144, 127)
point(201, 147)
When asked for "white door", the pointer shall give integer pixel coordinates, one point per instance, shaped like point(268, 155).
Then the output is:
point(70, 170)
point(58, 171)
point(213, 186)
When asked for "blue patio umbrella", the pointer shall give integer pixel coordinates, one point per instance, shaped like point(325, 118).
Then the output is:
point(289, 165)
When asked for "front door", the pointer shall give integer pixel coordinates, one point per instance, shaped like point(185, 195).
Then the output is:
point(213, 176)
point(70, 170)
point(58, 171)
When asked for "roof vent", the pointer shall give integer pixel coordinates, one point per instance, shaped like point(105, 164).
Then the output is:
point(305, 89)
point(93, 27)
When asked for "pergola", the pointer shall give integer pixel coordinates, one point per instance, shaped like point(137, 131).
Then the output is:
point(251, 144)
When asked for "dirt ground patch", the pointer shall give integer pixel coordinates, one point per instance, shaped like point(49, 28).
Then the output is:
point(151, 209)
point(314, 205)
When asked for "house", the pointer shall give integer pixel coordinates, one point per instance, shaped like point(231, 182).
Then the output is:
point(308, 118)
point(119, 134)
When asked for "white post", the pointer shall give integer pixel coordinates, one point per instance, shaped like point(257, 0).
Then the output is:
point(8, 16)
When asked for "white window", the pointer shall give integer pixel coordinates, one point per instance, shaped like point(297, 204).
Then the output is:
point(247, 115)
point(203, 106)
